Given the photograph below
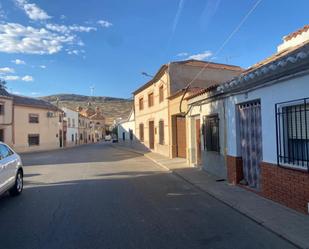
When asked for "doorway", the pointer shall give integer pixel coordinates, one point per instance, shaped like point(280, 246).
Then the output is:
point(250, 134)
point(151, 134)
point(181, 143)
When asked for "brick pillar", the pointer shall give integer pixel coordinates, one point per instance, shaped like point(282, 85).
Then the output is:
point(234, 169)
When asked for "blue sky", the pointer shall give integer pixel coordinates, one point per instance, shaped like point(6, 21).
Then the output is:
point(58, 46)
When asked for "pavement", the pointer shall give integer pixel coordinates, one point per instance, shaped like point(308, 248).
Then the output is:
point(99, 196)
point(283, 221)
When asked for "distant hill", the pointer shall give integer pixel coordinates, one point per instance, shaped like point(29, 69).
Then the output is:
point(112, 108)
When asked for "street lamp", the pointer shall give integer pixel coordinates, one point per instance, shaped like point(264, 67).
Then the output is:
point(151, 76)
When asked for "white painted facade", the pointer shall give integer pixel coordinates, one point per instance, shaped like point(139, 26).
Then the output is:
point(72, 135)
point(292, 88)
point(125, 127)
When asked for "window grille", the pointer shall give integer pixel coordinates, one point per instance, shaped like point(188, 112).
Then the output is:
point(292, 130)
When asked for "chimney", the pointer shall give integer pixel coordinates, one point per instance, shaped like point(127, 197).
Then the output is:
point(296, 38)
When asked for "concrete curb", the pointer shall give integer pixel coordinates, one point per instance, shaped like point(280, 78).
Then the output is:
point(249, 215)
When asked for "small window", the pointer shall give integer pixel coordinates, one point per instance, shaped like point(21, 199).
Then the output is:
point(33, 139)
point(161, 94)
point(5, 151)
point(150, 99)
point(141, 132)
point(293, 134)
point(1, 109)
point(211, 133)
point(161, 132)
point(69, 122)
point(141, 104)
point(2, 135)
point(34, 118)
point(72, 137)
point(73, 122)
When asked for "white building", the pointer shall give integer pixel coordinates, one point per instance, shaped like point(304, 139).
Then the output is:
point(254, 129)
point(72, 135)
point(126, 128)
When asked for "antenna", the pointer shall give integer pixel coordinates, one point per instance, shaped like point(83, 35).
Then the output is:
point(92, 90)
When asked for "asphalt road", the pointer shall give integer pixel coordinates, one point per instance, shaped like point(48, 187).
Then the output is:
point(96, 196)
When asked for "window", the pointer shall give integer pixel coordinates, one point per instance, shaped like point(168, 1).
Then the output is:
point(72, 137)
point(292, 125)
point(141, 104)
point(150, 99)
point(1, 135)
point(161, 132)
point(141, 132)
point(5, 151)
point(69, 122)
point(33, 139)
point(211, 133)
point(34, 118)
point(161, 94)
point(1, 108)
point(73, 122)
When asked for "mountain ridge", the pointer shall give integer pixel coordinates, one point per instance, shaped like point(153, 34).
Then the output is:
point(112, 107)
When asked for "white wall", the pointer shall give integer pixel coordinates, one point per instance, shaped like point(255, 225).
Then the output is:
point(125, 127)
point(71, 130)
point(291, 89)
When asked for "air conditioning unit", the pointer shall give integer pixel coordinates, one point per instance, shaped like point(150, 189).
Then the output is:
point(50, 114)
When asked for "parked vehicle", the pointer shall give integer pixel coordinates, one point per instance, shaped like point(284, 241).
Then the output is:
point(11, 171)
point(108, 138)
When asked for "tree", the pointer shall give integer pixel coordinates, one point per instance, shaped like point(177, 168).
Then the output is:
point(2, 84)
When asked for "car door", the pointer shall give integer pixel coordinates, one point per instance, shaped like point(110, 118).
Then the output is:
point(12, 164)
point(4, 175)
point(7, 163)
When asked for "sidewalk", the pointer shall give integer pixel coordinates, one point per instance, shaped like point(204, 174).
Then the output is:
point(285, 222)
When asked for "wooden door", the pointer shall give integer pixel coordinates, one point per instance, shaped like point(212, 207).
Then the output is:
point(250, 127)
point(198, 141)
point(151, 134)
point(181, 137)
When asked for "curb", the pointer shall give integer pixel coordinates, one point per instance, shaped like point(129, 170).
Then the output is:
point(243, 212)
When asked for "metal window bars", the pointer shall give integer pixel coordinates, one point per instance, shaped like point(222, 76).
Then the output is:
point(292, 133)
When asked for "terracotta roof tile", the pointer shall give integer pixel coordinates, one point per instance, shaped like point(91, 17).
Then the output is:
point(297, 32)
point(202, 91)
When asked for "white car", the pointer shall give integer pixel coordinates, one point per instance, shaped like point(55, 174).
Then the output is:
point(108, 138)
point(11, 171)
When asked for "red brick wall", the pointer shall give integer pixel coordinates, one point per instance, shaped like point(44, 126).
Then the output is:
point(234, 169)
point(286, 186)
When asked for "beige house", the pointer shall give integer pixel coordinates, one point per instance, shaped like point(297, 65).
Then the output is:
point(91, 124)
point(153, 117)
point(35, 125)
point(6, 117)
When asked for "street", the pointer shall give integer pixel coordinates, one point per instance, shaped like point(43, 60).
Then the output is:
point(99, 196)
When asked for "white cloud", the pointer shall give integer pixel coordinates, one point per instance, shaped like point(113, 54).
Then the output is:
point(43, 66)
point(104, 24)
point(16, 38)
point(182, 54)
point(32, 10)
point(2, 13)
point(19, 62)
point(35, 93)
point(200, 56)
point(67, 29)
point(27, 78)
point(75, 51)
point(5, 70)
point(11, 77)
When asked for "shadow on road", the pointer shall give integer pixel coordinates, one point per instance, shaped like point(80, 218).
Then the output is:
point(100, 152)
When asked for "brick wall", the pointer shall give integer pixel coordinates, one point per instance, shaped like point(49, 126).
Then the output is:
point(286, 186)
point(234, 169)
